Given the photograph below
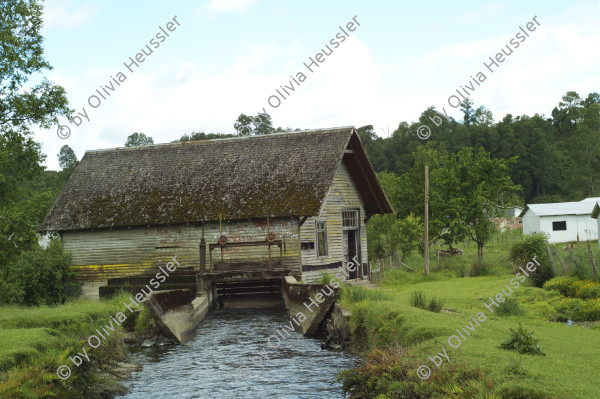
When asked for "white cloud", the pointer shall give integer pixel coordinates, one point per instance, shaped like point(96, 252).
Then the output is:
point(348, 88)
point(65, 14)
point(240, 6)
point(170, 102)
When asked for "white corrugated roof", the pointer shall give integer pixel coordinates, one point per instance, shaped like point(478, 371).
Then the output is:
point(561, 208)
point(591, 199)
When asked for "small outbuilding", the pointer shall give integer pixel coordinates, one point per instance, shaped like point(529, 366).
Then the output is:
point(561, 221)
point(291, 202)
point(596, 213)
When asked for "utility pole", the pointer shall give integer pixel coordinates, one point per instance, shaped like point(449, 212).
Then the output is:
point(426, 220)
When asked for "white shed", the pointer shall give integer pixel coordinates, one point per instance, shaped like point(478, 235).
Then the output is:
point(562, 221)
point(596, 214)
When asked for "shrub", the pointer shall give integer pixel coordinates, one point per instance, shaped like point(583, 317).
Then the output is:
point(325, 278)
point(435, 305)
point(533, 245)
point(510, 307)
point(588, 290)
point(392, 374)
point(144, 322)
point(522, 341)
point(38, 277)
point(568, 307)
point(560, 284)
point(575, 288)
point(417, 299)
point(588, 311)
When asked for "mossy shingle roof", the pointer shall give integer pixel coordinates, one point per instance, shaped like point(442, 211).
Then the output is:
point(279, 175)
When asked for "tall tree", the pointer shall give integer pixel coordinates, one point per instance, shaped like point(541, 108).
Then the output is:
point(67, 158)
point(246, 125)
point(137, 139)
point(23, 107)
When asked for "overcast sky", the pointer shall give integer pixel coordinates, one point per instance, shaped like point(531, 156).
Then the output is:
point(228, 57)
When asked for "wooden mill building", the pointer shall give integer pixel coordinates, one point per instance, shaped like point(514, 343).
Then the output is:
point(296, 202)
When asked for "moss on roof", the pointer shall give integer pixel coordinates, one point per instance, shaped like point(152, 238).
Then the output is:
point(279, 175)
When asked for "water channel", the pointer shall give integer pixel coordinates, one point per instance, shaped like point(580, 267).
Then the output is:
point(206, 366)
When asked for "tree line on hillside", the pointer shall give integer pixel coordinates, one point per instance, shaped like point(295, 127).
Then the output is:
point(477, 167)
point(558, 157)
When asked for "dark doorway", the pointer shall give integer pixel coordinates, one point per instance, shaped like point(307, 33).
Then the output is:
point(351, 234)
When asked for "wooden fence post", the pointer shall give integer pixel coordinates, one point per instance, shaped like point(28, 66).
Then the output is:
point(592, 260)
point(574, 260)
point(562, 262)
point(551, 260)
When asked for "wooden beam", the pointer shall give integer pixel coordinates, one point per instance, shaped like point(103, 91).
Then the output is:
point(302, 221)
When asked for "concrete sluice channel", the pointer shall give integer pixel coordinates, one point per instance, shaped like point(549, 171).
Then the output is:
point(208, 365)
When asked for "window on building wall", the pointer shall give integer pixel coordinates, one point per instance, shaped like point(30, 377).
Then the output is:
point(558, 226)
point(350, 219)
point(321, 228)
point(307, 245)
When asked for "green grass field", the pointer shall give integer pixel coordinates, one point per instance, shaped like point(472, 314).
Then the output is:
point(570, 369)
point(34, 341)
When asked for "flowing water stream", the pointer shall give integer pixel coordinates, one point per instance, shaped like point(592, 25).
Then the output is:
point(207, 366)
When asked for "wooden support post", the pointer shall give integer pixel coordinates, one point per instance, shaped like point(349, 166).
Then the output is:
point(551, 260)
point(202, 255)
point(426, 248)
point(591, 254)
point(562, 263)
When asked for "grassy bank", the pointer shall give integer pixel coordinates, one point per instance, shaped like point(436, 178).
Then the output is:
point(384, 319)
point(35, 341)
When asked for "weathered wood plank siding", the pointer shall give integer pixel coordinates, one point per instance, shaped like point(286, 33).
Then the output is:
point(102, 254)
point(342, 196)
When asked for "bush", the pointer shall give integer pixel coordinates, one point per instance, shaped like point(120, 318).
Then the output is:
point(510, 307)
point(418, 300)
point(325, 278)
point(522, 341)
point(533, 245)
point(588, 311)
point(392, 374)
point(435, 305)
point(38, 277)
point(574, 288)
point(560, 284)
point(588, 290)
